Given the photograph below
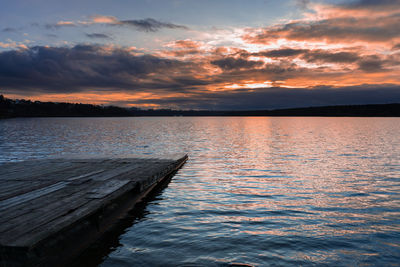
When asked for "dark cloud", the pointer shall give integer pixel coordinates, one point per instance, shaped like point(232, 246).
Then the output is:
point(145, 25)
point(230, 63)
point(279, 71)
point(97, 36)
point(9, 29)
point(283, 52)
point(87, 67)
point(326, 56)
point(271, 98)
point(312, 56)
point(366, 63)
point(396, 47)
point(371, 64)
point(149, 25)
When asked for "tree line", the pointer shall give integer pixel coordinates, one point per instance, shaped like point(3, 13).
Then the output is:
point(26, 108)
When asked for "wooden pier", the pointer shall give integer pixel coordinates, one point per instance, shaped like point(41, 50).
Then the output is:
point(51, 210)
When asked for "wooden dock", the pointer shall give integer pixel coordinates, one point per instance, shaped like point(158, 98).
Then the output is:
point(51, 210)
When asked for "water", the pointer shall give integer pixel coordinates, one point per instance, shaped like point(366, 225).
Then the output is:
point(257, 191)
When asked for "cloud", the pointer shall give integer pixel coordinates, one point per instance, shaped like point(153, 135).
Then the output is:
point(230, 63)
point(361, 21)
point(382, 4)
point(396, 47)
point(272, 98)
point(181, 52)
point(282, 52)
point(184, 44)
point(12, 44)
point(9, 29)
point(311, 55)
point(183, 48)
point(104, 19)
point(146, 25)
point(91, 67)
point(150, 25)
point(371, 64)
point(84, 68)
point(53, 26)
point(97, 36)
point(332, 30)
point(335, 57)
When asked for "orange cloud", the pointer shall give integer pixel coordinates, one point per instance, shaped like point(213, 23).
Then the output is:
point(104, 19)
point(184, 44)
point(12, 44)
point(65, 23)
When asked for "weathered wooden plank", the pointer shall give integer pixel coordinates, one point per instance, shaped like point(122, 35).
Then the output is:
point(6, 185)
point(50, 171)
point(115, 171)
point(47, 205)
point(22, 187)
point(106, 189)
point(10, 202)
point(50, 201)
point(21, 225)
point(43, 180)
point(85, 175)
point(29, 171)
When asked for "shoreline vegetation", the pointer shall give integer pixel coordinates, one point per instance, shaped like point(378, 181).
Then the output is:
point(10, 108)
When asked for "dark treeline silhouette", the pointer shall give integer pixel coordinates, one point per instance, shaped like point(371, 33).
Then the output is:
point(26, 108)
point(378, 110)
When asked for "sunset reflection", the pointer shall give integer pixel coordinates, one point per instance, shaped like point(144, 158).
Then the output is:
point(323, 183)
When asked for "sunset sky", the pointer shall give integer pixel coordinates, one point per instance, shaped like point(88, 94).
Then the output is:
point(209, 54)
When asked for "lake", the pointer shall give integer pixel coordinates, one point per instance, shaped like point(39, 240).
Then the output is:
point(260, 191)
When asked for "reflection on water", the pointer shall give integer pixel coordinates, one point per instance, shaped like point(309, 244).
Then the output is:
point(259, 191)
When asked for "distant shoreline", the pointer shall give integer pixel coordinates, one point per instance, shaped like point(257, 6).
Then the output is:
point(25, 108)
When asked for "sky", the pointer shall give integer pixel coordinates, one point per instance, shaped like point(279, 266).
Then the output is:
point(209, 54)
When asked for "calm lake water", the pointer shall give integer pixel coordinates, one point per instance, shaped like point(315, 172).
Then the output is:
point(259, 191)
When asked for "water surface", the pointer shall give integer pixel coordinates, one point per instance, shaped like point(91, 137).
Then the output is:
point(259, 191)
